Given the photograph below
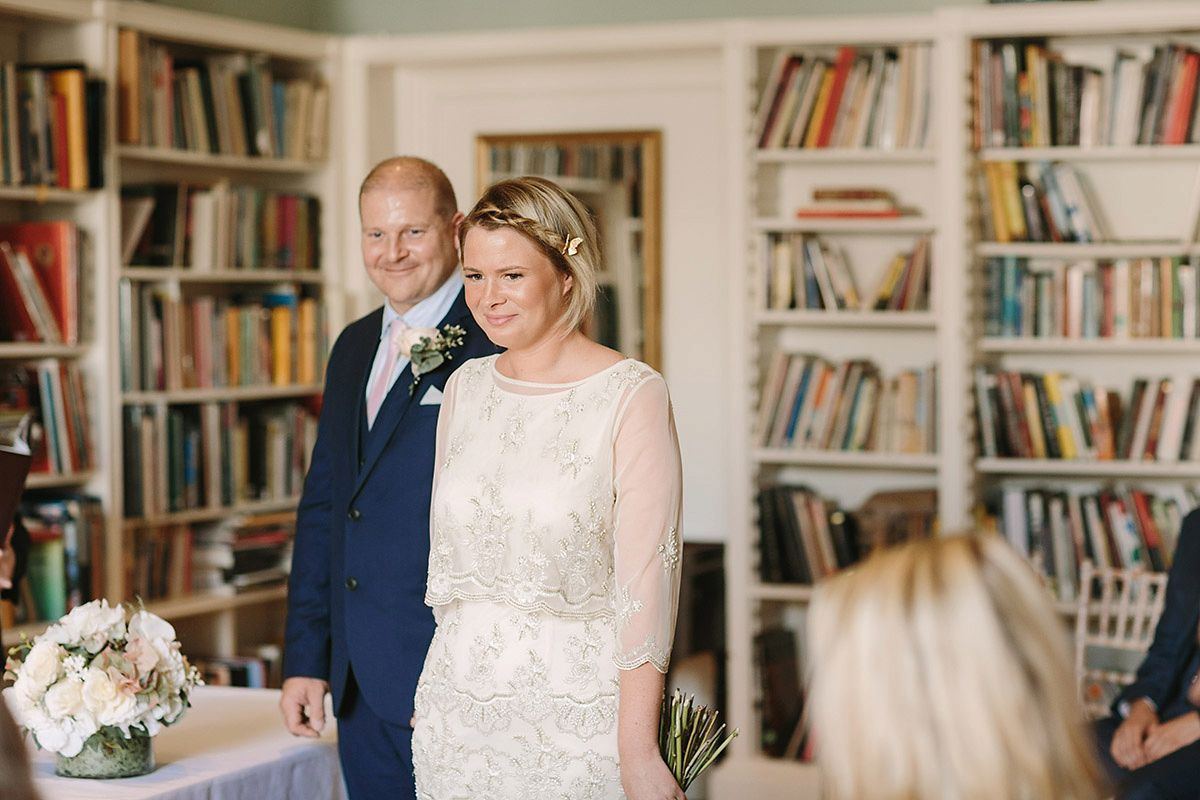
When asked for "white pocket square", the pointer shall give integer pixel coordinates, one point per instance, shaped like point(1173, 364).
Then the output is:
point(432, 397)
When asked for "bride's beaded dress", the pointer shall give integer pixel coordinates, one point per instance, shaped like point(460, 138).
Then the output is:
point(554, 563)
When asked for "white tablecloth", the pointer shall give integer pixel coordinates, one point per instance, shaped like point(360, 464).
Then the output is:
point(230, 745)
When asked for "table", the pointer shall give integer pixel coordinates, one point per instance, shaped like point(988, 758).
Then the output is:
point(230, 745)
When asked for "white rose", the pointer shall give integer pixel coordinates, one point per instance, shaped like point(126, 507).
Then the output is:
point(43, 664)
point(64, 699)
point(28, 705)
point(94, 624)
point(406, 338)
point(150, 626)
point(112, 704)
point(53, 738)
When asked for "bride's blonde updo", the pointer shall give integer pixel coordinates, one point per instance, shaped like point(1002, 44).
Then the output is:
point(556, 222)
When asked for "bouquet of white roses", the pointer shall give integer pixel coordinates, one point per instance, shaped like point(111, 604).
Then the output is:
point(99, 667)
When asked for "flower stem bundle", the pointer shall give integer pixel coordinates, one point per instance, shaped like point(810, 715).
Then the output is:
point(689, 738)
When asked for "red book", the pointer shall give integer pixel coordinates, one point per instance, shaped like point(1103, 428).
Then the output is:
point(853, 213)
point(52, 247)
point(1182, 100)
point(841, 69)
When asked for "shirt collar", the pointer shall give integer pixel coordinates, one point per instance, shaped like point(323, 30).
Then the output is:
point(430, 311)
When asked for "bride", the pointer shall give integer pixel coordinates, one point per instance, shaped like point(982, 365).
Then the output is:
point(554, 557)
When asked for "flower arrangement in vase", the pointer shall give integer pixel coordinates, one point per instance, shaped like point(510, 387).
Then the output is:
point(97, 684)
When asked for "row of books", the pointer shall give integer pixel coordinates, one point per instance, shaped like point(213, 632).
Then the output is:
point(1117, 526)
point(875, 97)
point(1125, 298)
point(219, 226)
point(1028, 95)
point(1053, 415)
point(170, 343)
point(40, 282)
point(1041, 202)
point(807, 272)
point(213, 455)
point(51, 126)
point(250, 551)
point(811, 403)
point(804, 538)
point(229, 103)
point(259, 671)
point(599, 160)
point(65, 566)
point(53, 391)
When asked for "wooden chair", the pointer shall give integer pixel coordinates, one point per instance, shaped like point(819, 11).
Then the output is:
point(1116, 613)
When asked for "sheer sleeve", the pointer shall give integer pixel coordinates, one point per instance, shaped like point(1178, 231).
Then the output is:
point(648, 481)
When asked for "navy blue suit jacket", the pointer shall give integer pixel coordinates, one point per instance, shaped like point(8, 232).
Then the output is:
point(1173, 656)
point(356, 595)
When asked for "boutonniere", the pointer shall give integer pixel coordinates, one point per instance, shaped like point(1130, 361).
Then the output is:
point(427, 348)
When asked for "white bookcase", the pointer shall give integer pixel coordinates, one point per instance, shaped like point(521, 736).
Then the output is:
point(89, 32)
point(772, 183)
point(1125, 179)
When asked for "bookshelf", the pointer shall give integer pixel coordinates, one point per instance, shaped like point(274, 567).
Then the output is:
point(33, 364)
point(888, 338)
point(207, 327)
point(1095, 310)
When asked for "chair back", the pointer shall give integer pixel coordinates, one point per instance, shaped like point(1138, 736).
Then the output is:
point(1117, 611)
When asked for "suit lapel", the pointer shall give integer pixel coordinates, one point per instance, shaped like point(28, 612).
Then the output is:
point(399, 399)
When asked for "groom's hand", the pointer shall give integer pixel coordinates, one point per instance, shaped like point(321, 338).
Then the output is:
point(303, 705)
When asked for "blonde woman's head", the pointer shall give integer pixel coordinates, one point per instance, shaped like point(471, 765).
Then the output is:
point(558, 225)
point(941, 672)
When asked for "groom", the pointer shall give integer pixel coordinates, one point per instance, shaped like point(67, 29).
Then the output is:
point(357, 624)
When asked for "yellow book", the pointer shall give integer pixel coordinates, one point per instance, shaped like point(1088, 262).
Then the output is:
point(991, 172)
point(1066, 442)
point(69, 83)
point(1014, 213)
point(818, 113)
point(129, 87)
point(306, 341)
point(281, 346)
point(1033, 419)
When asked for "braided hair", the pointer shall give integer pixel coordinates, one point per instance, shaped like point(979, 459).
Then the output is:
point(557, 223)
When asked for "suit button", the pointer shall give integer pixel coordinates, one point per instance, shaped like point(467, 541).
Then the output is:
point(362, 462)
point(354, 515)
point(352, 583)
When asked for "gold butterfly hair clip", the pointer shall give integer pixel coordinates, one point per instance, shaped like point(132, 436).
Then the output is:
point(571, 245)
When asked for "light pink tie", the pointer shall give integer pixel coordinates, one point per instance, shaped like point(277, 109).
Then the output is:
point(380, 387)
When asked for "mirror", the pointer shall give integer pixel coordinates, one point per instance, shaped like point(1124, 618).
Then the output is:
point(616, 174)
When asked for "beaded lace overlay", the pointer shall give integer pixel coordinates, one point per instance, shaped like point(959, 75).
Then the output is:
point(553, 564)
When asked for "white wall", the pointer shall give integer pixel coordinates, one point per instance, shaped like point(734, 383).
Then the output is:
point(433, 97)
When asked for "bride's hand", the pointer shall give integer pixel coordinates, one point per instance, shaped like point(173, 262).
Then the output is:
point(646, 777)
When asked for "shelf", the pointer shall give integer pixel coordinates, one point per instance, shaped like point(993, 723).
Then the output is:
point(186, 275)
point(782, 592)
point(222, 394)
point(1077, 468)
point(846, 155)
point(1159, 152)
point(199, 604)
point(849, 460)
point(172, 609)
point(1073, 250)
point(47, 194)
point(44, 481)
point(1000, 344)
point(884, 226)
point(28, 351)
point(159, 155)
point(921, 320)
point(210, 514)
